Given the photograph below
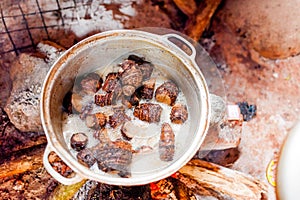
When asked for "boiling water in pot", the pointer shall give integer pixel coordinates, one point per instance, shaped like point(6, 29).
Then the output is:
point(145, 140)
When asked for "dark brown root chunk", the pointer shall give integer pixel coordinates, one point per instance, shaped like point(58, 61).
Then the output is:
point(86, 110)
point(131, 101)
point(91, 83)
point(145, 66)
point(118, 118)
point(126, 103)
point(167, 93)
point(114, 156)
point(95, 121)
point(179, 114)
point(79, 141)
point(126, 65)
point(147, 69)
point(166, 143)
point(111, 82)
point(128, 90)
point(67, 103)
point(105, 99)
point(126, 133)
point(86, 157)
point(118, 108)
point(138, 60)
point(148, 112)
point(132, 76)
point(146, 91)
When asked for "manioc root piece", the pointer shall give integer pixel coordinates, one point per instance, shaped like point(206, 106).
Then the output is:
point(167, 93)
point(79, 141)
point(148, 112)
point(91, 83)
point(179, 114)
point(166, 143)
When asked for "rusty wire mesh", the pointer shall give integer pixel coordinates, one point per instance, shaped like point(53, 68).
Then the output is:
point(25, 23)
point(18, 21)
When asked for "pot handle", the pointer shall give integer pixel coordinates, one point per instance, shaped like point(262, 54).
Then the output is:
point(66, 181)
point(191, 51)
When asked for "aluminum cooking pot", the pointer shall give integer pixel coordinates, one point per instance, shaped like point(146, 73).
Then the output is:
point(171, 53)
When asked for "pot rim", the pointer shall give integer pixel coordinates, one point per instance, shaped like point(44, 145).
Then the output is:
point(85, 172)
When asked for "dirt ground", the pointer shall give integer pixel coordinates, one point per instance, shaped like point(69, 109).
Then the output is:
point(271, 85)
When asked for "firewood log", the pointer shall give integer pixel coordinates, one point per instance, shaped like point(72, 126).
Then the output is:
point(211, 180)
point(188, 7)
point(201, 19)
point(17, 164)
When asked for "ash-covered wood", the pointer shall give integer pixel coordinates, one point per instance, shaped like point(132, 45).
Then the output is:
point(13, 140)
point(211, 180)
point(28, 73)
point(22, 161)
point(224, 157)
point(22, 175)
point(33, 184)
point(172, 189)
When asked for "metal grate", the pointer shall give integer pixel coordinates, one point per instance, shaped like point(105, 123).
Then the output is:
point(25, 23)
